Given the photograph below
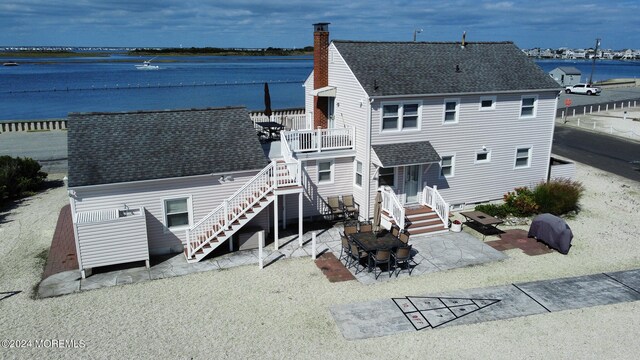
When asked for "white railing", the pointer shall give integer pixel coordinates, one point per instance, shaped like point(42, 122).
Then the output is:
point(391, 204)
point(292, 119)
point(432, 198)
point(271, 177)
point(293, 165)
point(320, 139)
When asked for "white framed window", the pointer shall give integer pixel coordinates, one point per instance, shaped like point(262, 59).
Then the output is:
point(387, 177)
point(358, 173)
point(325, 171)
point(483, 156)
point(447, 165)
point(451, 110)
point(401, 116)
point(528, 106)
point(523, 157)
point(177, 212)
point(487, 103)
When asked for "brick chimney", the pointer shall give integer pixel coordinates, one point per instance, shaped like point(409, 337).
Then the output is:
point(320, 73)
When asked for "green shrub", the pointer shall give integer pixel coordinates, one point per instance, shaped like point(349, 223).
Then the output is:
point(558, 196)
point(499, 211)
point(520, 202)
point(19, 177)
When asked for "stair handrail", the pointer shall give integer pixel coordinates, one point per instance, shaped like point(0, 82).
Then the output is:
point(431, 197)
point(220, 218)
point(293, 165)
point(391, 204)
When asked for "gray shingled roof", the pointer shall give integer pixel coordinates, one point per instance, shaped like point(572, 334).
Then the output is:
point(109, 148)
point(415, 68)
point(569, 70)
point(413, 153)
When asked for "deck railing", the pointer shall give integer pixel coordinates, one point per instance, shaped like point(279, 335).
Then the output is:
point(320, 139)
point(292, 119)
point(391, 204)
point(271, 177)
point(432, 198)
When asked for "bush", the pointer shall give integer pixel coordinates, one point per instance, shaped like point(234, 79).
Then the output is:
point(558, 196)
point(520, 202)
point(499, 211)
point(19, 177)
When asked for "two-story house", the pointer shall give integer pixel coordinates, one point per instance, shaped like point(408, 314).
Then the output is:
point(433, 126)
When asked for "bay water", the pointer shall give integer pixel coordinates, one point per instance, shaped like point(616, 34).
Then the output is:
point(42, 88)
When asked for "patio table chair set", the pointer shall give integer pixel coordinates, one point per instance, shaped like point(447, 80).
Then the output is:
point(343, 207)
point(378, 249)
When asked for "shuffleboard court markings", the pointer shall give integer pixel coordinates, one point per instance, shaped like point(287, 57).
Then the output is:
point(430, 312)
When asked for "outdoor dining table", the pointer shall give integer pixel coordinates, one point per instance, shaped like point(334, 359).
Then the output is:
point(482, 220)
point(371, 242)
point(271, 127)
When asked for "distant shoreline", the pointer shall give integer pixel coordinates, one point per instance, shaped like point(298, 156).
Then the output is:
point(159, 52)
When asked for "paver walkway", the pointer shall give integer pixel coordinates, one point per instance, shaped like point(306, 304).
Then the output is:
point(518, 239)
point(333, 269)
point(415, 313)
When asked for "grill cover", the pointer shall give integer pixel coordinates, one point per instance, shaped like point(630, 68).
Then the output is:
point(552, 231)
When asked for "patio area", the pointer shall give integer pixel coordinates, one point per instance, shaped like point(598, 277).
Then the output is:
point(431, 253)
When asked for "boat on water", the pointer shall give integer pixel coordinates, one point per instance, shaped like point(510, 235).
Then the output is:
point(146, 65)
point(10, 63)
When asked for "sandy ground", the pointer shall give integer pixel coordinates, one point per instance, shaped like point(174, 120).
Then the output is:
point(624, 123)
point(281, 312)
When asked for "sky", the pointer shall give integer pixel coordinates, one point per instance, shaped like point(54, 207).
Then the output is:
point(288, 23)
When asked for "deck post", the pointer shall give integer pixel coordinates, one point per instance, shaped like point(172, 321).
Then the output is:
point(284, 211)
point(275, 222)
point(313, 245)
point(319, 139)
point(300, 218)
point(260, 249)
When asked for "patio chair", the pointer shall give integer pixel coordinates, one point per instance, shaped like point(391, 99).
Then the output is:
point(357, 254)
point(333, 202)
point(351, 208)
point(345, 251)
point(350, 229)
point(402, 256)
point(395, 230)
point(366, 227)
point(379, 258)
point(404, 237)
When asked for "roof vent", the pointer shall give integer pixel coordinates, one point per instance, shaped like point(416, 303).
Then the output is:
point(458, 68)
point(464, 41)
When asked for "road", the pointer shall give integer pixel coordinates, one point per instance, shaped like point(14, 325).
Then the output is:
point(601, 151)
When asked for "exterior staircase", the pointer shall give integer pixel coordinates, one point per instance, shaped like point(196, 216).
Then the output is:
point(237, 210)
point(423, 220)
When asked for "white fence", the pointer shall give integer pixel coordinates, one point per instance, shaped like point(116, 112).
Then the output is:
point(320, 139)
point(292, 119)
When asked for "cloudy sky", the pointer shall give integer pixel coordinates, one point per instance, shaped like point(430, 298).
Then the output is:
point(287, 23)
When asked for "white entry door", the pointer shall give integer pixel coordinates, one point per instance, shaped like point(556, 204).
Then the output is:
point(331, 121)
point(412, 176)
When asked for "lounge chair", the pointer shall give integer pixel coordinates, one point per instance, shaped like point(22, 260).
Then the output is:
point(333, 202)
point(351, 208)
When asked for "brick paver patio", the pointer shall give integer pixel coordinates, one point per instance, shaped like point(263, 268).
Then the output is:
point(517, 238)
point(333, 268)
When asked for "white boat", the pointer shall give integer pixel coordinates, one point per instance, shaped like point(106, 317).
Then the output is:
point(10, 63)
point(146, 65)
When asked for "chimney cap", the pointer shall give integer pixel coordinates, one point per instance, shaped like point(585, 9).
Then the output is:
point(324, 26)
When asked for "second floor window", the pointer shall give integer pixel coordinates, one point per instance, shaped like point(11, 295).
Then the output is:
point(325, 171)
point(401, 116)
point(451, 111)
point(528, 108)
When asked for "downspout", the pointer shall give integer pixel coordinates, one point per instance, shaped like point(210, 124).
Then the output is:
point(367, 159)
point(553, 127)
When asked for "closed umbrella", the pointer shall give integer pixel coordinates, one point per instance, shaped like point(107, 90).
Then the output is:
point(376, 212)
point(267, 101)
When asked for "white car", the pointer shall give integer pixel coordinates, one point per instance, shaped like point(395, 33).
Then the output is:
point(582, 89)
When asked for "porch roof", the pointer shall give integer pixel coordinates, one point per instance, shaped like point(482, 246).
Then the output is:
point(401, 154)
point(327, 91)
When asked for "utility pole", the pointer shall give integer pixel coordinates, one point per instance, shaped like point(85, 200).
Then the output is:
point(416, 32)
point(593, 64)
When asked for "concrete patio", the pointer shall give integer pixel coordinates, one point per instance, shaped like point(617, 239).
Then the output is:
point(432, 253)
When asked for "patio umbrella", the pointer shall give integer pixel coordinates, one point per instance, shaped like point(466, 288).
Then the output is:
point(267, 101)
point(376, 212)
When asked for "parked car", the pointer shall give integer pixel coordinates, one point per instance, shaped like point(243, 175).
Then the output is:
point(582, 89)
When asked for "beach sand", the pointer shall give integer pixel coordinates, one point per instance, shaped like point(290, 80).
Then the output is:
point(282, 311)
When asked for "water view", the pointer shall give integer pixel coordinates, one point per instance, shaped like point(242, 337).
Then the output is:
point(52, 87)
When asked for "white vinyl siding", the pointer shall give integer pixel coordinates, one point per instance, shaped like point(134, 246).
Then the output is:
point(401, 116)
point(528, 106)
point(523, 157)
point(451, 110)
point(206, 192)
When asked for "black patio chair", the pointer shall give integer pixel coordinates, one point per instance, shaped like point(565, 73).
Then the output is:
point(381, 257)
point(335, 208)
point(351, 208)
point(404, 237)
point(395, 230)
point(366, 227)
point(357, 254)
point(403, 256)
point(345, 251)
